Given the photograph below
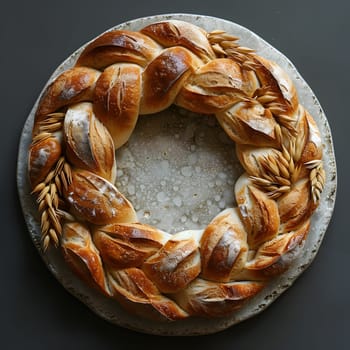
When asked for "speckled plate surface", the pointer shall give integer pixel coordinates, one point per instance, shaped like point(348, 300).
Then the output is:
point(177, 182)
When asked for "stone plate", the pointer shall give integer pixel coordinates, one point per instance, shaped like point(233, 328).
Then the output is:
point(178, 170)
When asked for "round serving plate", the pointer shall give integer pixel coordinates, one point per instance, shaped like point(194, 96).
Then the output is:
point(179, 170)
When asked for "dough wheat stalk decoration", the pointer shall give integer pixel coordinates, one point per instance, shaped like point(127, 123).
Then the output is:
point(49, 191)
point(317, 178)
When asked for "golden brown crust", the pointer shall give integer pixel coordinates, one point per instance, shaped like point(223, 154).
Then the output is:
point(139, 295)
point(163, 78)
point(127, 245)
point(72, 86)
point(117, 98)
point(215, 86)
point(118, 46)
point(179, 33)
point(175, 265)
point(208, 299)
point(296, 206)
point(223, 247)
point(88, 144)
point(249, 123)
point(313, 147)
point(96, 200)
point(91, 109)
point(258, 213)
point(43, 155)
point(271, 75)
point(81, 254)
point(275, 256)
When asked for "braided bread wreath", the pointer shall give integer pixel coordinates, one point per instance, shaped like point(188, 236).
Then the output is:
point(218, 275)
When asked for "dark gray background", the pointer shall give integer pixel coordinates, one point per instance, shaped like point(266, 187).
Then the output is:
point(36, 36)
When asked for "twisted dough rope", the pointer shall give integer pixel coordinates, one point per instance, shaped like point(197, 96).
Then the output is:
point(91, 109)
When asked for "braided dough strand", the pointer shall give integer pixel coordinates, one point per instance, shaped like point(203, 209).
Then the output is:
point(91, 109)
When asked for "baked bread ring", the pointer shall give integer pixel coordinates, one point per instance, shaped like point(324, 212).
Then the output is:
point(90, 110)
